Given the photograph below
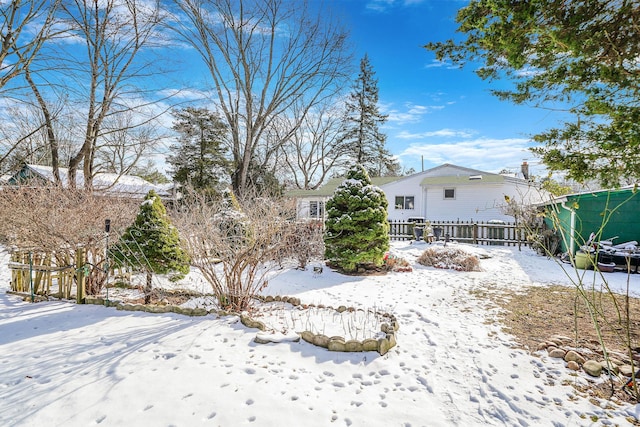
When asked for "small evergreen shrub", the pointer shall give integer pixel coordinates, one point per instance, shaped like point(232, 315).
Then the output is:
point(449, 258)
point(151, 244)
point(356, 229)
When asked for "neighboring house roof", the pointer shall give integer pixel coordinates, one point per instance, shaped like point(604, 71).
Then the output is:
point(330, 187)
point(111, 183)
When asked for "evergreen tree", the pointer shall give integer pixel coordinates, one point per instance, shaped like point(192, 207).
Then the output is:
point(151, 243)
point(199, 158)
point(356, 229)
point(361, 138)
point(149, 172)
point(579, 57)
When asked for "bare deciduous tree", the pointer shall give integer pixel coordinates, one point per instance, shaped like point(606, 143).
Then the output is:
point(24, 27)
point(264, 57)
point(113, 33)
point(313, 150)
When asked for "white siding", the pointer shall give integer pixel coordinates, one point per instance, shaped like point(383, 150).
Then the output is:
point(409, 186)
point(472, 202)
point(303, 207)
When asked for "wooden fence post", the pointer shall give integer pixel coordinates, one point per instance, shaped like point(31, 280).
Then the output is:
point(80, 276)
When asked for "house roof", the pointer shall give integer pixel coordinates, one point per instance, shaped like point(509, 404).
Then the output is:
point(330, 187)
point(463, 175)
point(466, 179)
point(112, 183)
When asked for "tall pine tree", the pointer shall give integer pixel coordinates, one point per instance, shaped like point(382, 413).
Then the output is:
point(361, 138)
point(151, 244)
point(199, 158)
point(356, 229)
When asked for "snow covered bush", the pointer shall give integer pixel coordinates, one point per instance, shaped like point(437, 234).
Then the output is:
point(449, 258)
point(151, 244)
point(356, 229)
point(237, 244)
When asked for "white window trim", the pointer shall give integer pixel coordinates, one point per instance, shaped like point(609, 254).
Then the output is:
point(444, 193)
point(404, 201)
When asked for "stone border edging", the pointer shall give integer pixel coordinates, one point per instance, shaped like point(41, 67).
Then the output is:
point(335, 343)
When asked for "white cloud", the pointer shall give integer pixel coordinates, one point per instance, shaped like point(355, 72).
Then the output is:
point(487, 154)
point(446, 133)
point(441, 64)
point(409, 113)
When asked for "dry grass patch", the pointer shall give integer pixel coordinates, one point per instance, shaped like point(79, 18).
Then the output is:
point(536, 314)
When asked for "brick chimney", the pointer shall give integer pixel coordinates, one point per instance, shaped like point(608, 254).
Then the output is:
point(525, 170)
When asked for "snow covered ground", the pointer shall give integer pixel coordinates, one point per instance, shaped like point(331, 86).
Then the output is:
point(63, 364)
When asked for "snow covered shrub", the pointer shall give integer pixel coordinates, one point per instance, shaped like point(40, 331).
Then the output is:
point(151, 244)
point(449, 258)
point(356, 229)
point(236, 246)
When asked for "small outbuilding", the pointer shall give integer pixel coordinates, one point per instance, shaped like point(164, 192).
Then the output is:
point(576, 216)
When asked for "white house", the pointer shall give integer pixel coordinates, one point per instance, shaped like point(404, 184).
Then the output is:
point(443, 193)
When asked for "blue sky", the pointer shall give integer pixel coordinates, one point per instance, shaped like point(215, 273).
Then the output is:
point(436, 110)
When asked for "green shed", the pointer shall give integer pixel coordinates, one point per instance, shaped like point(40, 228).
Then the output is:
point(608, 213)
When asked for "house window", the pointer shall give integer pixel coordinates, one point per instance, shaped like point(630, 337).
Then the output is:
point(404, 202)
point(449, 193)
point(316, 210)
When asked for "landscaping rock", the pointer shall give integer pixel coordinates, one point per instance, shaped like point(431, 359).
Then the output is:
point(610, 367)
point(336, 344)
point(592, 367)
point(383, 346)
point(199, 311)
point(251, 323)
point(321, 340)
point(542, 346)
point(557, 353)
point(573, 365)
point(574, 356)
point(626, 370)
point(308, 336)
point(370, 345)
point(294, 301)
point(392, 340)
point(353, 345)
